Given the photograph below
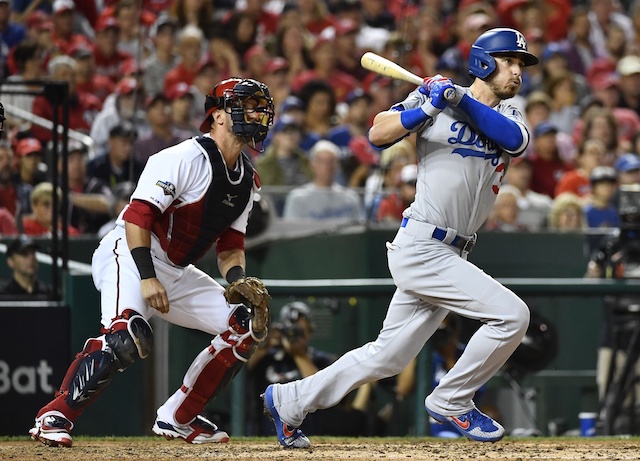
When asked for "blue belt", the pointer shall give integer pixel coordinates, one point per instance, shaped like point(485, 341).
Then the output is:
point(463, 243)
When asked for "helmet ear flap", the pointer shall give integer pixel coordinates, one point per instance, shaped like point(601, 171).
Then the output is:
point(212, 102)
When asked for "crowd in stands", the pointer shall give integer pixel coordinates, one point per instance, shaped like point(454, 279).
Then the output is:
point(138, 72)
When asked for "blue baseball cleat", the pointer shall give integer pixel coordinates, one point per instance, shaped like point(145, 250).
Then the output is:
point(287, 436)
point(474, 425)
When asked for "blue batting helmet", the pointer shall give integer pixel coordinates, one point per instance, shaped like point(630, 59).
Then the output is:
point(495, 42)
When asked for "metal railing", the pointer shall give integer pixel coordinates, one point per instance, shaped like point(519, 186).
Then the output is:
point(15, 111)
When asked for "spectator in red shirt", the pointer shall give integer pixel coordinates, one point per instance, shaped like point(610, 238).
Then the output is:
point(40, 222)
point(546, 163)
point(591, 154)
point(254, 61)
point(392, 206)
point(189, 51)
point(90, 199)
point(87, 79)
point(8, 194)
point(347, 51)
point(82, 106)
point(276, 76)
point(107, 56)
point(324, 62)
point(28, 61)
point(29, 152)
point(63, 27)
point(181, 109)
point(314, 15)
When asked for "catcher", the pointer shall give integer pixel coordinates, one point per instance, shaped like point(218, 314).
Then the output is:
point(189, 196)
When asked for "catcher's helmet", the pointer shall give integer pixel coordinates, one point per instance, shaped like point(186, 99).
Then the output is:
point(496, 42)
point(229, 95)
point(2, 119)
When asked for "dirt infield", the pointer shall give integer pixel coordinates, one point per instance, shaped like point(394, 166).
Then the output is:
point(365, 449)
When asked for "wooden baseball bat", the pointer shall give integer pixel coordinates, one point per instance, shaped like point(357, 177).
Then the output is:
point(383, 66)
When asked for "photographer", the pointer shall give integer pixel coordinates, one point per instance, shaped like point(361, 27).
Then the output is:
point(285, 356)
point(619, 258)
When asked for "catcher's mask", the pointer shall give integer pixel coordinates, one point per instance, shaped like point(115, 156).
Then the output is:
point(241, 98)
point(2, 119)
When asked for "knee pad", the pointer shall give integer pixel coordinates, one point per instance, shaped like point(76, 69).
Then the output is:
point(129, 336)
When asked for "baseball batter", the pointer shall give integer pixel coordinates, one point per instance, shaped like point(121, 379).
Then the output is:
point(189, 196)
point(465, 142)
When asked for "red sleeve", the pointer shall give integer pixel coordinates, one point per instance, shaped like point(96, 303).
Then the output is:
point(230, 239)
point(141, 214)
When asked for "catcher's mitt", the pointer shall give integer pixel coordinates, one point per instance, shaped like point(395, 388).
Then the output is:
point(251, 292)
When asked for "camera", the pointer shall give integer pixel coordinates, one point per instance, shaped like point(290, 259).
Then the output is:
point(629, 206)
point(290, 330)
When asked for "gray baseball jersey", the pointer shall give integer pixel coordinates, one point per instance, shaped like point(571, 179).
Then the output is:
point(460, 170)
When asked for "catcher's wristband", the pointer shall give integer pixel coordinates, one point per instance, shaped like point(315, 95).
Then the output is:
point(235, 273)
point(142, 257)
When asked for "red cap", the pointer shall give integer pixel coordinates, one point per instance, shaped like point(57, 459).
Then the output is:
point(599, 67)
point(603, 81)
point(126, 85)
point(36, 18)
point(45, 25)
point(131, 67)
point(79, 51)
point(345, 26)
point(363, 151)
point(276, 64)
point(321, 41)
point(178, 90)
point(255, 50)
point(28, 146)
point(106, 22)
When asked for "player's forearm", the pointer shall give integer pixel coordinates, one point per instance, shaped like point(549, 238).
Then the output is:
point(137, 236)
point(230, 258)
point(387, 128)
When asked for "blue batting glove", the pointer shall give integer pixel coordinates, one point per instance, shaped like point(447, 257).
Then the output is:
point(440, 91)
point(428, 82)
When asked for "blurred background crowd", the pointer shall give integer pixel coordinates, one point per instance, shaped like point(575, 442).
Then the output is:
point(139, 70)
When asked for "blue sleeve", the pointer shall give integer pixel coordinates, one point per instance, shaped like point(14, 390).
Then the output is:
point(504, 131)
